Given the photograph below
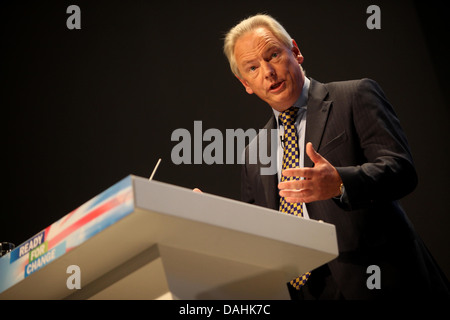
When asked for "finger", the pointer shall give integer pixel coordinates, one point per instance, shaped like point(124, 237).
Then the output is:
point(291, 184)
point(197, 190)
point(298, 195)
point(298, 172)
point(305, 199)
point(296, 184)
point(292, 195)
point(312, 154)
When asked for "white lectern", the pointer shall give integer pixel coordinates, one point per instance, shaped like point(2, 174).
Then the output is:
point(142, 239)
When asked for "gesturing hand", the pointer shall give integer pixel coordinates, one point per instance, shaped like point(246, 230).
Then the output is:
point(320, 182)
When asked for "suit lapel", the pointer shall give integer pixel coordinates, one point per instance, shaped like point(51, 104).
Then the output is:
point(270, 182)
point(317, 113)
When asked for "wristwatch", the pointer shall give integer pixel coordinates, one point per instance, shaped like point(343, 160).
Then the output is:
point(341, 189)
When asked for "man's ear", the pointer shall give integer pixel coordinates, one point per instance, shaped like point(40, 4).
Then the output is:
point(245, 84)
point(298, 55)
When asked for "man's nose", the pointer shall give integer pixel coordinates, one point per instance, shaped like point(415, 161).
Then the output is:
point(269, 71)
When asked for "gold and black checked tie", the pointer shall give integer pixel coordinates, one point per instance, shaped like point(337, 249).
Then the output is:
point(291, 159)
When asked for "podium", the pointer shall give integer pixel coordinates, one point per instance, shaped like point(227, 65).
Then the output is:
point(142, 239)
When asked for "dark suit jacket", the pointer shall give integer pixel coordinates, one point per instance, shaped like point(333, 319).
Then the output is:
point(354, 127)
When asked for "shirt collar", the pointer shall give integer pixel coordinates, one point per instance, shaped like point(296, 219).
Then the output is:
point(301, 101)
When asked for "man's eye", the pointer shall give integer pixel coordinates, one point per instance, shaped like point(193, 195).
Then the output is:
point(252, 68)
point(275, 54)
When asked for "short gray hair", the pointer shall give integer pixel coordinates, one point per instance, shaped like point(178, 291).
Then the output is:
point(250, 24)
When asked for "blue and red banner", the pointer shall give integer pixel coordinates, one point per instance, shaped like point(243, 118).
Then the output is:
point(67, 233)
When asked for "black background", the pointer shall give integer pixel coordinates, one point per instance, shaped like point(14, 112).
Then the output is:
point(82, 109)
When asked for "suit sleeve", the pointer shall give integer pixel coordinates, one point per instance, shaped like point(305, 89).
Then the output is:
point(387, 170)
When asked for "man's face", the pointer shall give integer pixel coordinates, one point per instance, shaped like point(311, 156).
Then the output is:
point(269, 69)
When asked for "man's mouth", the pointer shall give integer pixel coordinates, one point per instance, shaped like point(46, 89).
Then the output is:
point(276, 86)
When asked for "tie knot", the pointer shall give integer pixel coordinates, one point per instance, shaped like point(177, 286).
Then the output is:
point(288, 116)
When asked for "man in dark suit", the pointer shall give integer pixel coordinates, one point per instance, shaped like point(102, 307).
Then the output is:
point(354, 166)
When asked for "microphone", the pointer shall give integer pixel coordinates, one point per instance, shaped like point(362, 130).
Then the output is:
point(282, 140)
point(154, 170)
